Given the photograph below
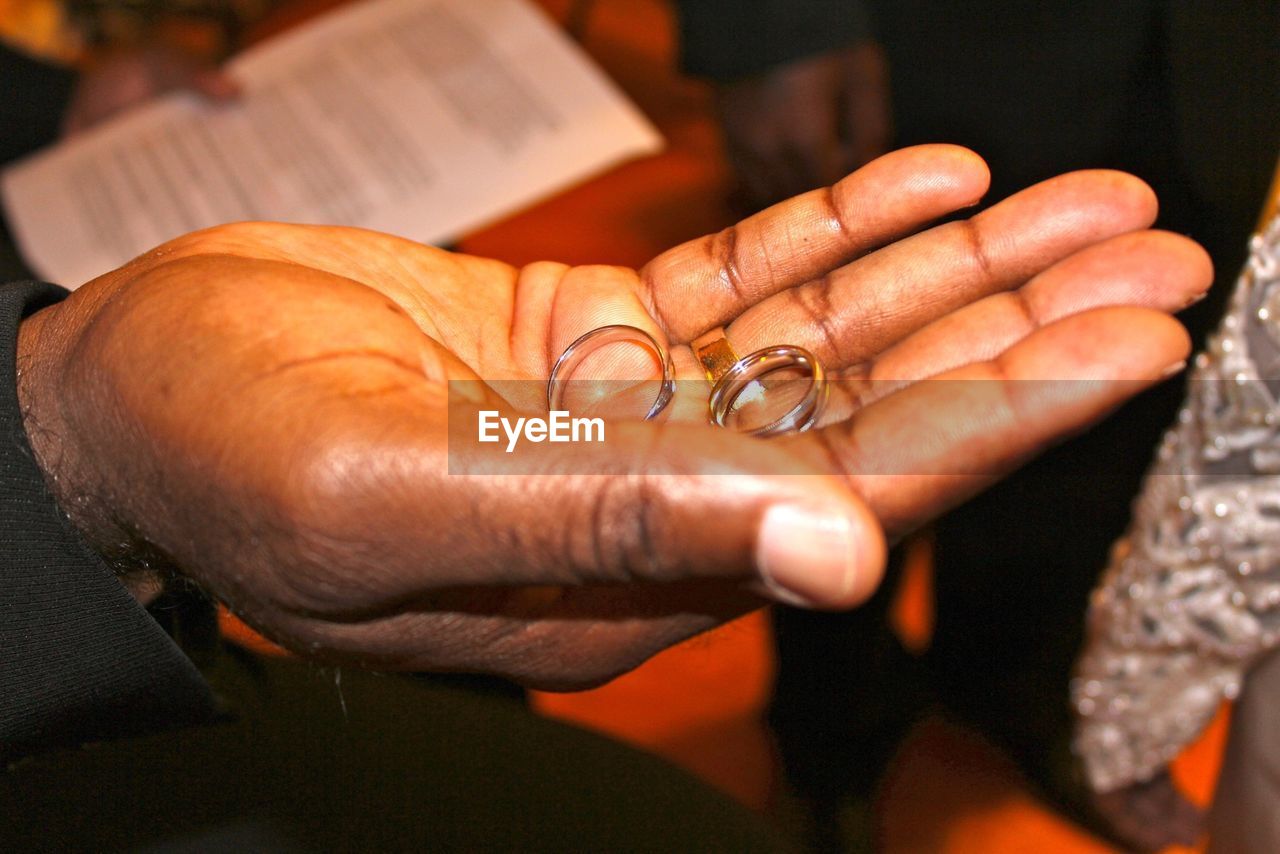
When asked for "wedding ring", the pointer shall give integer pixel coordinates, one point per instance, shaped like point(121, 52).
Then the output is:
point(587, 344)
point(731, 375)
point(761, 363)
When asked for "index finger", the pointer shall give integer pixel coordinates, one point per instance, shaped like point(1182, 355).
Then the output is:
point(707, 282)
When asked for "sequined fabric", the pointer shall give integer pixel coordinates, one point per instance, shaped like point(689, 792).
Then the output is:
point(1192, 595)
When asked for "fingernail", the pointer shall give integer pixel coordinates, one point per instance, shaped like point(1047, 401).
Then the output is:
point(806, 555)
point(1175, 368)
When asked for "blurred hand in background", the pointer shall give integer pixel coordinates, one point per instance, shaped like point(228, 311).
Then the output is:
point(123, 79)
point(806, 123)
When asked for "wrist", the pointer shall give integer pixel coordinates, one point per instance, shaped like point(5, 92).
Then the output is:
point(46, 396)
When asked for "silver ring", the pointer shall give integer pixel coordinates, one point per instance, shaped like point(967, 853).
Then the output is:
point(597, 338)
point(733, 382)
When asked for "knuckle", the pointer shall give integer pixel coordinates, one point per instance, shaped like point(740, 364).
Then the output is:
point(975, 246)
point(814, 302)
point(724, 252)
point(614, 534)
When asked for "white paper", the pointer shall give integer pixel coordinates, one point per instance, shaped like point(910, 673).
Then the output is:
point(420, 118)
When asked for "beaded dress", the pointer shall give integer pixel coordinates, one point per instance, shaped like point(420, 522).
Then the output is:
point(1191, 598)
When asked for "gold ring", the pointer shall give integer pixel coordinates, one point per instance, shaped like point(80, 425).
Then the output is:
point(714, 353)
point(731, 375)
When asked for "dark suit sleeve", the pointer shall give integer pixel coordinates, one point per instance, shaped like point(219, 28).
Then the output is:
point(33, 97)
point(80, 659)
point(724, 40)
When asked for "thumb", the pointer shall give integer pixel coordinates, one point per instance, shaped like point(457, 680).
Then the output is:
point(648, 504)
point(171, 70)
point(215, 84)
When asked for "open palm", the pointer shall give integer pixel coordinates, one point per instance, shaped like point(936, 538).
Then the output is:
point(266, 409)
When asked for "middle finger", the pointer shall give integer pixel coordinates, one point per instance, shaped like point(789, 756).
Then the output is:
point(858, 310)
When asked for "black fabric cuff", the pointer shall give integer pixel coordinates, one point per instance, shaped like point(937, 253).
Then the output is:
point(80, 658)
point(726, 41)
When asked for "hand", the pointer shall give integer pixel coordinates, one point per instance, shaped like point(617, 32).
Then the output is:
point(119, 81)
point(263, 408)
point(806, 123)
point(1152, 815)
